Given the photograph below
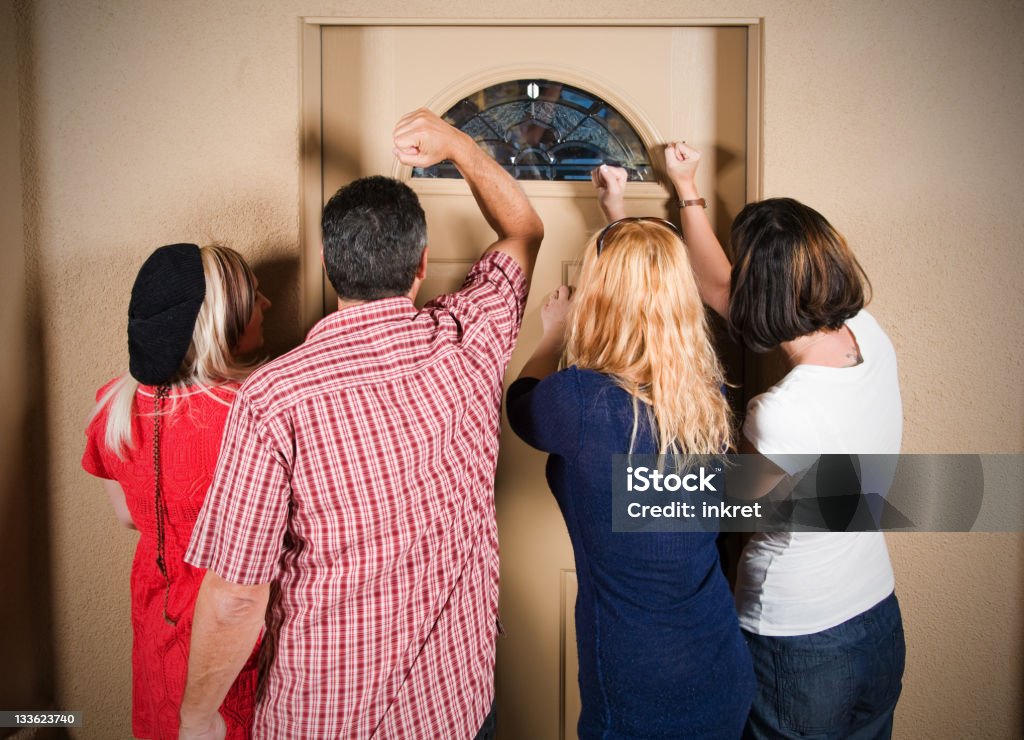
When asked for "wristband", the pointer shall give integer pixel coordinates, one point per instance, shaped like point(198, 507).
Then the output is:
point(698, 202)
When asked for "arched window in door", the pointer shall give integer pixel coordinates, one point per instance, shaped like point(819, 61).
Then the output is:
point(545, 130)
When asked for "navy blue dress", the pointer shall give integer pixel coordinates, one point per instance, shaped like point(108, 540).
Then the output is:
point(660, 649)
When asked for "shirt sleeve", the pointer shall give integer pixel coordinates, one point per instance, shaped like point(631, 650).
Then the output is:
point(781, 432)
point(240, 532)
point(488, 308)
point(547, 414)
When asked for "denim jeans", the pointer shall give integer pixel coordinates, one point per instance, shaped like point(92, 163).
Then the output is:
point(486, 731)
point(840, 683)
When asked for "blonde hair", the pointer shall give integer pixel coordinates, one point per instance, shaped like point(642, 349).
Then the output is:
point(209, 362)
point(637, 316)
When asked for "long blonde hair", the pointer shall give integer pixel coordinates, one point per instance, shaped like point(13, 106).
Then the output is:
point(637, 316)
point(209, 362)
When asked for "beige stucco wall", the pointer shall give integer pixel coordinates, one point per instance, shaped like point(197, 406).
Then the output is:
point(144, 123)
point(24, 613)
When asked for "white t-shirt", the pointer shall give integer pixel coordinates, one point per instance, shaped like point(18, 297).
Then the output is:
point(804, 582)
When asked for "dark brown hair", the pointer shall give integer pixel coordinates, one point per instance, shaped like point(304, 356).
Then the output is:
point(374, 232)
point(793, 274)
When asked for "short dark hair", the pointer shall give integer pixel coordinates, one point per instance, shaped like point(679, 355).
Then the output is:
point(793, 274)
point(374, 232)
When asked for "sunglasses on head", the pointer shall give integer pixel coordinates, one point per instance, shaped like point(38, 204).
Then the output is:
point(611, 227)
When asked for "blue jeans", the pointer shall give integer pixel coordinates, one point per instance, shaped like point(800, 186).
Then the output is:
point(840, 683)
point(486, 731)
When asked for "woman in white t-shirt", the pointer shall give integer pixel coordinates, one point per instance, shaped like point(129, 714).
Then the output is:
point(818, 609)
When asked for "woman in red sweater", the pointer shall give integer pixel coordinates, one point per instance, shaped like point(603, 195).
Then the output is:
point(153, 438)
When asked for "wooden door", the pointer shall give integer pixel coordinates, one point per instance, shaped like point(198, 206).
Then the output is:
point(668, 82)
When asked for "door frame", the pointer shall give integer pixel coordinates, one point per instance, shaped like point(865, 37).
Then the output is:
point(311, 190)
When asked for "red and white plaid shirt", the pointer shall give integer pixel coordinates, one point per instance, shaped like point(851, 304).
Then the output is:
point(357, 472)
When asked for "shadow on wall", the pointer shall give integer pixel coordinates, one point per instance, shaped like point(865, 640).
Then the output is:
point(27, 680)
point(250, 223)
point(278, 278)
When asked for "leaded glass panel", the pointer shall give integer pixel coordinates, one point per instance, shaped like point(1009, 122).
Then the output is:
point(545, 130)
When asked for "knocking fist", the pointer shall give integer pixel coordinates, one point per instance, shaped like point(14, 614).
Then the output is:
point(422, 139)
point(610, 183)
point(681, 161)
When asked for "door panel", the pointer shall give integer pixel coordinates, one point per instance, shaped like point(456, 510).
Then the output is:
point(669, 82)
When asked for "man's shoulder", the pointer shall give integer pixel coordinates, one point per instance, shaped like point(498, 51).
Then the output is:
point(370, 344)
point(284, 380)
point(495, 272)
point(487, 310)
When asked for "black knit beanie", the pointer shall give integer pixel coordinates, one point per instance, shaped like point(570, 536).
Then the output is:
point(166, 298)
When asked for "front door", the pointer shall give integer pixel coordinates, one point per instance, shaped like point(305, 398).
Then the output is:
point(665, 83)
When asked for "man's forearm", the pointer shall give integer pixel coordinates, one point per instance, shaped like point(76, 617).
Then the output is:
point(501, 200)
point(422, 139)
point(227, 622)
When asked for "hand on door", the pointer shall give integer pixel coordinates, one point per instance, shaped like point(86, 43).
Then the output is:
point(610, 183)
point(422, 139)
point(555, 312)
point(553, 316)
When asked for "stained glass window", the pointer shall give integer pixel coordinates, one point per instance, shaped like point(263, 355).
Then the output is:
point(545, 130)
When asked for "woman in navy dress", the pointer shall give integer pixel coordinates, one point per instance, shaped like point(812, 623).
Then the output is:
point(660, 650)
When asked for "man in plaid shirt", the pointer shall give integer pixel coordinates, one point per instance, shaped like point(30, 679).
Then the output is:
point(356, 477)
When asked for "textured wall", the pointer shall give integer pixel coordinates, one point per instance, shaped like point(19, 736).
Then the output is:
point(24, 615)
point(150, 122)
